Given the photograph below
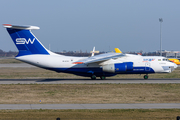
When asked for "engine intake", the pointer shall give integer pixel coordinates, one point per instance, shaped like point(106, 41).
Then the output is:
point(118, 67)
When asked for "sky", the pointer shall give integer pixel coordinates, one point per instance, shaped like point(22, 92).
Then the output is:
point(74, 25)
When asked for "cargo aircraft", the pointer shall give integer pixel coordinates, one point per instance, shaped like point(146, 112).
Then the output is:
point(104, 65)
point(174, 60)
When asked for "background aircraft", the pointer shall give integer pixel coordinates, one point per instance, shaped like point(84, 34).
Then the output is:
point(174, 60)
point(93, 52)
point(105, 65)
point(117, 50)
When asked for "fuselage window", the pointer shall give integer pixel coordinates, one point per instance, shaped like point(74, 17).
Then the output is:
point(65, 60)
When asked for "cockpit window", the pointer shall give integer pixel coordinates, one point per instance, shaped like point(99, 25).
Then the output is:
point(169, 60)
point(164, 60)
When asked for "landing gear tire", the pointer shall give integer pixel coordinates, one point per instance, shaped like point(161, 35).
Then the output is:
point(103, 77)
point(145, 76)
point(93, 77)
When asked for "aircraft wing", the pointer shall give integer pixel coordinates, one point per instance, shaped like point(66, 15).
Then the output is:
point(99, 58)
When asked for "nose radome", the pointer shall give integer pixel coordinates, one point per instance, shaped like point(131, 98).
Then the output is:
point(175, 65)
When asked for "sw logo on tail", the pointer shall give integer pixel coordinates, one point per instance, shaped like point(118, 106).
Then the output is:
point(104, 65)
point(23, 41)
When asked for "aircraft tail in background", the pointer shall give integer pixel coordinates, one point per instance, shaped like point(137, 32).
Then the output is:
point(93, 52)
point(117, 50)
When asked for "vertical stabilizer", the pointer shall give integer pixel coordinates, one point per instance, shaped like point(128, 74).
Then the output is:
point(93, 52)
point(117, 50)
point(25, 40)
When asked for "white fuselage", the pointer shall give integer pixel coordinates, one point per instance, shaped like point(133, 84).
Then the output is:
point(60, 63)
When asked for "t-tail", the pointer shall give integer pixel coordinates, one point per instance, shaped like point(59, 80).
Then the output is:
point(25, 41)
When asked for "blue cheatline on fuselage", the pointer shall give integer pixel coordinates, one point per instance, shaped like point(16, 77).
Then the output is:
point(99, 72)
point(26, 42)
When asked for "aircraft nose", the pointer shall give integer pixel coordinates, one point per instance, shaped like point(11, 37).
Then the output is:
point(175, 65)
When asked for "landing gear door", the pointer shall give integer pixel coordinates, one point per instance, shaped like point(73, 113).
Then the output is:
point(147, 66)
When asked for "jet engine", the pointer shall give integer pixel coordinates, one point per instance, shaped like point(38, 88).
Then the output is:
point(118, 67)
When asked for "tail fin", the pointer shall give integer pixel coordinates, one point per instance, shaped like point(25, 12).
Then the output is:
point(24, 40)
point(93, 52)
point(117, 50)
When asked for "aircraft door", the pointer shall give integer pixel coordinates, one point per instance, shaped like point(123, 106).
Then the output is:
point(147, 66)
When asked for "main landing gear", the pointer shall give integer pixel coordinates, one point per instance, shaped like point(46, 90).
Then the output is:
point(146, 76)
point(93, 77)
point(103, 77)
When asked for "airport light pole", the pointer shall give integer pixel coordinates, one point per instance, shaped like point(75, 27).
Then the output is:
point(160, 20)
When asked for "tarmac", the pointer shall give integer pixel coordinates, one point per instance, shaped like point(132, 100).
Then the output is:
point(91, 106)
point(89, 81)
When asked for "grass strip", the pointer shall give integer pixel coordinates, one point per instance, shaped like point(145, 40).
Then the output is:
point(89, 93)
point(110, 114)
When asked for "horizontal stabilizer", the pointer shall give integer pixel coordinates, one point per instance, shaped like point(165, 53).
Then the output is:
point(21, 27)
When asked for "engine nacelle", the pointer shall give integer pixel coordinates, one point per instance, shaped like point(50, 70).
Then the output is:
point(118, 67)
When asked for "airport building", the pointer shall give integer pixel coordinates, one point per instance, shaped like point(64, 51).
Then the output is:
point(170, 54)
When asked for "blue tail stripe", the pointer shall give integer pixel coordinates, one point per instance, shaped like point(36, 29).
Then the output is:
point(26, 42)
